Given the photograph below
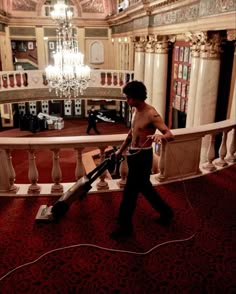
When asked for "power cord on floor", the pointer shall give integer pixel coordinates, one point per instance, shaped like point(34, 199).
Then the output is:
point(112, 249)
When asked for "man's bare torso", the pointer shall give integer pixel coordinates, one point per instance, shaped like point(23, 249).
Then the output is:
point(142, 126)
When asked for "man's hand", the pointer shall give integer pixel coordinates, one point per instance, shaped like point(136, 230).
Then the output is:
point(157, 138)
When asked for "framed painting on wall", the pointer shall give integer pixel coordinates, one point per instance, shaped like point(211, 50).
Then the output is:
point(186, 54)
point(183, 90)
point(21, 46)
point(175, 71)
point(30, 46)
point(185, 72)
point(179, 86)
point(176, 53)
point(51, 45)
point(13, 45)
point(180, 71)
point(181, 54)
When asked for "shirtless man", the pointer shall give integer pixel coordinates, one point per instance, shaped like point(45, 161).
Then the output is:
point(145, 121)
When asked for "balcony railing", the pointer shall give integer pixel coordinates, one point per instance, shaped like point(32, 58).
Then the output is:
point(36, 79)
point(178, 159)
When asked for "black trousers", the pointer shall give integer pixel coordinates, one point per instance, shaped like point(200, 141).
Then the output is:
point(138, 181)
point(92, 125)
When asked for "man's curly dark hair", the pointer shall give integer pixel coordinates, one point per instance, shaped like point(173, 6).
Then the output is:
point(135, 90)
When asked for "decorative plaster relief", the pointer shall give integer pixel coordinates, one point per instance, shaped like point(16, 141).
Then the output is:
point(180, 15)
point(94, 6)
point(24, 5)
point(142, 22)
point(211, 7)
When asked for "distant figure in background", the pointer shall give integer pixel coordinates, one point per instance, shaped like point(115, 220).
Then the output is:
point(92, 121)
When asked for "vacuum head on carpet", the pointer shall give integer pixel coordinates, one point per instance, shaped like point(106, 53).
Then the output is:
point(44, 214)
point(76, 192)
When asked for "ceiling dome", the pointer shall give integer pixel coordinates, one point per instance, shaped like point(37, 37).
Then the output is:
point(94, 7)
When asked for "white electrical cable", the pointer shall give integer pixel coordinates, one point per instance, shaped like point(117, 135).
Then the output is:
point(111, 249)
point(98, 247)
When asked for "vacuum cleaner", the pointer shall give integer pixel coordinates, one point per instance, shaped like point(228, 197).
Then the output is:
point(77, 192)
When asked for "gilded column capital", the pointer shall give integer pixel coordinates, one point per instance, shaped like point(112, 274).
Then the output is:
point(140, 43)
point(162, 44)
point(150, 45)
point(194, 40)
point(231, 35)
point(210, 45)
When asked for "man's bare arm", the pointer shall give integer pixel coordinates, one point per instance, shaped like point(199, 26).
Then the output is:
point(162, 127)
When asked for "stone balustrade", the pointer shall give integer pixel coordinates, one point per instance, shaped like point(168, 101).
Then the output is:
point(103, 84)
point(36, 79)
point(175, 160)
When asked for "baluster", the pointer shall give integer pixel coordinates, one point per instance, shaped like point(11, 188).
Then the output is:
point(103, 78)
point(79, 170)
point(210, 155)
point(232, 148)
point(106, 78)
point(160, 177)
point(56, 173)
point(4, 172)
point(155, 163)
point(12, 174)
point(21, 80)
point(15, 80)
point(102, 184)
point(33, 173)
point(5, 80)
point(123, 172)
point(222, 151)
point(114, 79)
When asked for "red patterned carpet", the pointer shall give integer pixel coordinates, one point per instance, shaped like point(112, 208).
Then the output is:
point(205, 263)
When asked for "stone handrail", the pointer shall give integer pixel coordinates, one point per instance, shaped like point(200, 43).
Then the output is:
point(186, 156)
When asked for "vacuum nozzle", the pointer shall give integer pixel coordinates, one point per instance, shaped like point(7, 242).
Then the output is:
point(44, 214)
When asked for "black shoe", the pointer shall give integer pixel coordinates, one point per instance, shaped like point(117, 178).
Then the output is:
point(165, 220)
point(121, 234)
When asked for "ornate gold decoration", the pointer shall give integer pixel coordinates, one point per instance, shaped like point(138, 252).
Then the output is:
point(210, 45)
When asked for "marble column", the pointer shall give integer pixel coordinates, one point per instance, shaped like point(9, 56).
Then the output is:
point(208, 79)
point(5, 48)
point(231, 114)
point(139, 59)
point(193, 81)
point(160, 70)
point(207, 87)
point(41, 49)
point(148, 70)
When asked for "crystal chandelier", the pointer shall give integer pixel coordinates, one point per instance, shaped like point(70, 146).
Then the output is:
point(68, 76)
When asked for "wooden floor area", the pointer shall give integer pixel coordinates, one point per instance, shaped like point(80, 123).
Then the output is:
point(76, 127)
